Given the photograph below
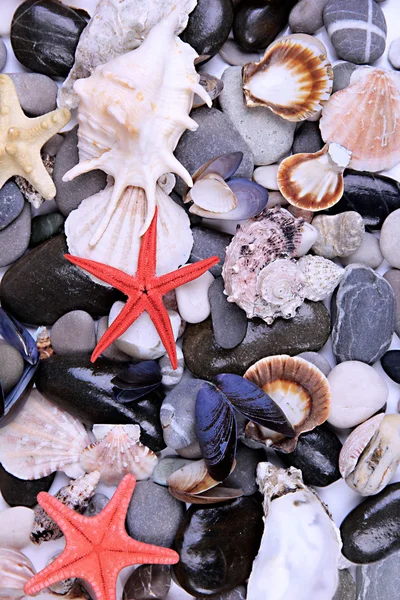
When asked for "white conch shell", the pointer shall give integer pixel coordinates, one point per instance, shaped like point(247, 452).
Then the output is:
point(280, 287)
point(116, 27)
point(300, 549)
point(42, 438)
point(120, 243)
point(364, 118)
point(118, 452)
point(133, 111)
point(322, 276)
point(15, 570)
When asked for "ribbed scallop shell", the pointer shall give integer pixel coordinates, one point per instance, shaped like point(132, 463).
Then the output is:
point(301, 391)
point(322, 276)
point(118, 452)
point(15, 570)
point(313, 181)
point(42, 438)
point(356, 443)
point(294, 78)
point(365, 119)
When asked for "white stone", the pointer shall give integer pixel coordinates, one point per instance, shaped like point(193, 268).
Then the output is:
point(276, 199)
point(267, 177)
point(192, 299)
point(171, 377)
point(16, 526)
point(358, 392)
point(309, 235)
point(368, 254)
point(390, 239)
point(394, 53)
point(141, 339)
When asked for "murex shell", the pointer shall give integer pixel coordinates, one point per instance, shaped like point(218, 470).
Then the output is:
point(364, 118)
point(42, 438)
point(118, 452)
point(299, 388)
point(294, 78)
point(15, 570)
point(338, 235)
point(371, 454)
point(300, 548)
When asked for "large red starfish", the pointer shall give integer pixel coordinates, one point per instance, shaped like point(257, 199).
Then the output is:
point(144, 291)
point(97, 548)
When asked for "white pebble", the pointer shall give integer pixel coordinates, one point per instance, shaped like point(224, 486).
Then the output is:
point(358, 392)
point(276, 199)
point(267, 177)
point(390, 239)
point(171, 377)
point(141, 339)
point(394, 53)
point(16, 526)
point(192, 299)
point(368, 253)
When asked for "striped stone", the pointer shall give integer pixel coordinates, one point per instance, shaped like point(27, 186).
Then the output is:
point(357, 29)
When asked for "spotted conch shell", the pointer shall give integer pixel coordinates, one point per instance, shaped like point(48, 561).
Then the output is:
point(364, 118)
point(117, 27)
point(118, 452)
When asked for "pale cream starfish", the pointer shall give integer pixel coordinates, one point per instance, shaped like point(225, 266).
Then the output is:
point(21, 139)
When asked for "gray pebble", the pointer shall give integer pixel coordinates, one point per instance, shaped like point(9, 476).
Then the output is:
point(153, 515)
point(73, 333)
point(380, 580)
point(192, 452)
point(244, 474)
point(3, 55)
point(269, 136)
point(11, 366)
point(71, 193)
point(234, 55)
point(208, 242)
point(394, 54)
point(342, 74)
point(53, 145)
point(318, 360)
point(11, 203)
point(96, 505)
point(307, 16)
point(112, 352)
point(14, 239)
point(368, 254)
point(393, 277)
point(346, 589)
point(166, 466)
point(171, 377)
point(177, 414)
point(229, 320)
point(307, 139)
point(37, 93)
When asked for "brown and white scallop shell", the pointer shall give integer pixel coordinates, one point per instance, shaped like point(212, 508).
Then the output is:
point(294, 79)
point(365, 119)
point(301, 391)
point(15, 570)
point(118, 452)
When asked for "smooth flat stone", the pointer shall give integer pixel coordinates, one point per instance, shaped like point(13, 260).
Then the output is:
point(363, 316)
point(73, 333)
point(257, 23)
point(269, 136)
point(11, 366)
point(42, 286)
point(229, 321)
point(14, 239)
point(368, 254)
point(16, 526)
point(267, 176)
point(307, 138)
point(85, 390)
point(37, 93)
point(232, 53)
point(244, 474)
point(379, 580)
point(209, 26)
point(342, 74)
point(177, 414)
point(391, 364)
point(318, 360)
point(307, 16)
point(71, 193)
point(18, 492)
point(207, 242)
point(390, 239)
point(45, 227)
point(3, 55)
point(11, 204)
point(154, 514)
point(148, 582)
point(393, 277)
point(308, 330)
point(217, 545)
point(166, 466)
point(36, 23)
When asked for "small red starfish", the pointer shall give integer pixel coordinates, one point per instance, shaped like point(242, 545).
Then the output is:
point(97, 548)
point(144, 291)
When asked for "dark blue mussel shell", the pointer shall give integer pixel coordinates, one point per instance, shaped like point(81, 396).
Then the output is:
point(137, 380)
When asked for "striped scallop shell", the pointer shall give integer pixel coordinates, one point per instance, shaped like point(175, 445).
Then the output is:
point(294, 78)
point(15, 570)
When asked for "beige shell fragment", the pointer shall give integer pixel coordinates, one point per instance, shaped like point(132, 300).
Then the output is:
point(15, 571)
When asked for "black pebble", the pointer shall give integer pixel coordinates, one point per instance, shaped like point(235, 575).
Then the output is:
point(209, 26)
point(258, 22)
point(391, 364)
point(18, 492)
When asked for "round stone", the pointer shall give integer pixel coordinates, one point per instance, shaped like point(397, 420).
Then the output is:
point(244, 474)
point(11, 203)
point(44, 36)
point(171, 377)
point(357, 29)
point(112, 352)
point(318, 360)
point(394, 54)
point(3, 55)
point(11, 366)
point(307, 16)
point(209, 26)
point(229, 321)
point(45, 227)
point(148, 582)
point(390, 239)
point(342, 74)
point(257, 24)
point(37, 93)
point(358, 392)
point(393, 278)
point(153, 515)
point(391, 364)
point(73, 333)
point(267, 176)
point(367, 254)
point(232, 53)
point(14, 239)
point(192, 299)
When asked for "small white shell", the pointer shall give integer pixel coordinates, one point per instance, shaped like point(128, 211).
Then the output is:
point(322, 276)
point(118, 452)
point(42, 438)
point(15, 570)
point(356, 443)
point(211, 194)
point(192, 478)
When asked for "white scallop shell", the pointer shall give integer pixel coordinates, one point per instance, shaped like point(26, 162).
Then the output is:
point(42, 438)
point(15, 570)
point(322, 276)
point(118, 452)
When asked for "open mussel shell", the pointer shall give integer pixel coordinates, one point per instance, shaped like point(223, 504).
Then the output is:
point(294, 79)
point(213, 87)
point(210, 194)
point(251, 198)
point(213, 496)
point(224, 165)
point(299, 389)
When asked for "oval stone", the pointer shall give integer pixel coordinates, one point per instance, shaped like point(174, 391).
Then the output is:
point(372, 530)
point(308, 330)
point(258, 22)
point(148, 582)
point(209, 26)
point(18, 492)
point(45, 227)
point(228, 319)
point(217, 545)
point(44, 36)
point(11, 204)
point(391, 364)
point(317, 455)
point(14, 239)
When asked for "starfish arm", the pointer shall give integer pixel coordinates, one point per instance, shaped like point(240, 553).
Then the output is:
point(67, 565)
point(112, 517)
point(172, 280)
point(37, 176)
point(9, 99)
point(41, 129)
point(134, 307)
point(160, 317)
point(118, 279)
point(148, 250)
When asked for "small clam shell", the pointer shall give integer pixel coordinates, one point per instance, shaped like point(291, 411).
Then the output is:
point(213, 87)
point(299, 389)
point(224, 165)
point(294, 79)
point(192, 478)
point(356, 443)
point(251, 199)
point(15, 570)
point(210, 193)
point(213, 496)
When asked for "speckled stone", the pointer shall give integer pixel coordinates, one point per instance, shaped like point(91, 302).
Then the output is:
point(37, 93)
point(393, 277)
point(11, 203)
point(380, 580)
point(209, 26)
point(14, 239)
point(307, 16)
point(73, 333)
point(3, 55)
point(342, 74)
point(45, 227)
point(208, 242)
point(357, 29)
point(346, 589)
point(177, 414)
point(11, 366)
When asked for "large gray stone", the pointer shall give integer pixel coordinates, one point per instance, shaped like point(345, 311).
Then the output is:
point(269, 136)
point(363, 316)
point(346, 589)
point(380, 580)
point(307, 16)
point(14, 239)
point(228, 319)
point(73, 333)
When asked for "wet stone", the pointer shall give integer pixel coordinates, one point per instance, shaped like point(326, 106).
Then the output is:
point(177, 414)
point(207, 242)
point(244, 474)
point(11, 204)
point(148, 582)
point(238, 593)
point(14, 239)
point(379, 580)
point(11, 366)
point(45, 227)
point(209, 26)
point(232, 53)
point(37, 93)
point(18, 492)
point(257, 23)
point(228, 319)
